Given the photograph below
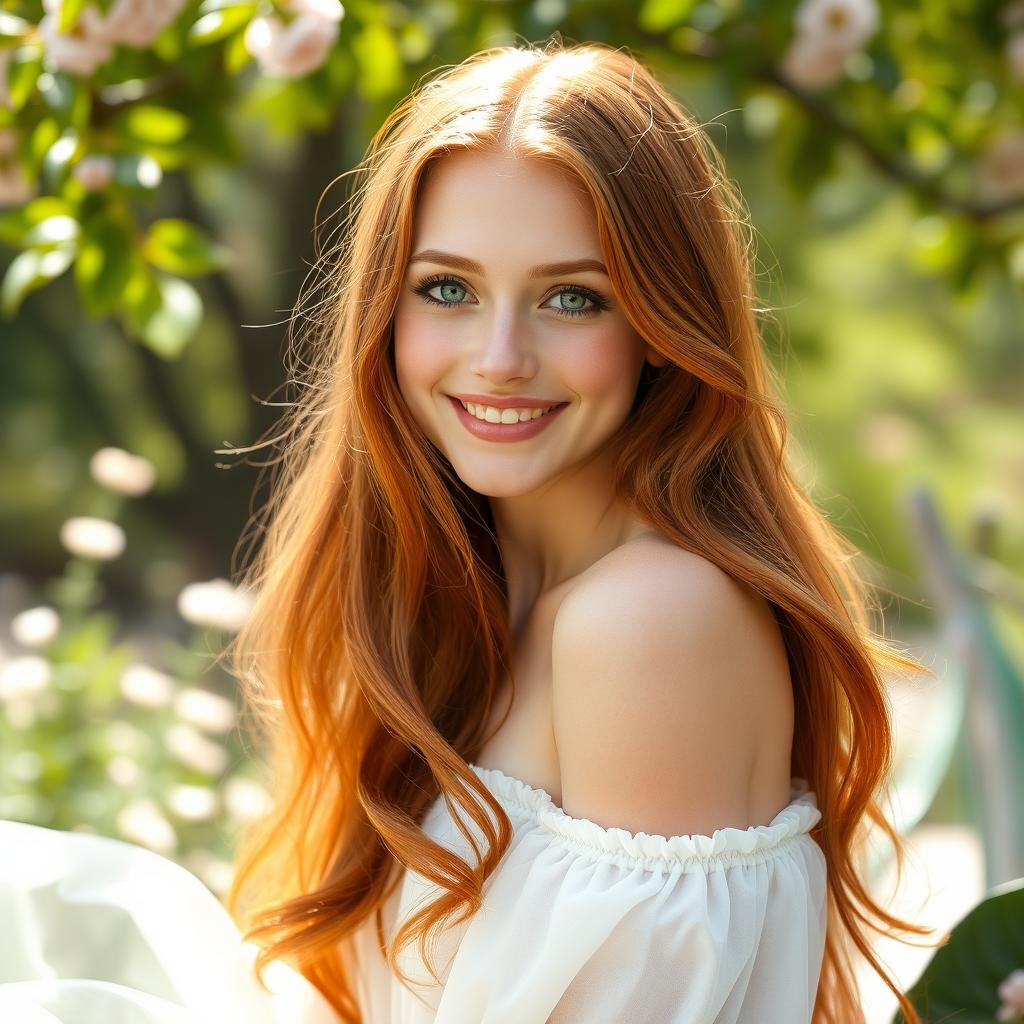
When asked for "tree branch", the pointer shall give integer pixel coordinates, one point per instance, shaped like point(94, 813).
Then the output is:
point(894, 167)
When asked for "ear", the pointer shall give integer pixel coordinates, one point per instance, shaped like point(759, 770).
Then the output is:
point(655, 358)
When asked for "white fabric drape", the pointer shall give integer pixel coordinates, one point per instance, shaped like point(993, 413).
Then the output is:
point(99, 931)
point(580, 925)
point(587, 925)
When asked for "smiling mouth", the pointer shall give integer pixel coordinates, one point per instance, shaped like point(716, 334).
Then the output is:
point(506, 429)
point(506, 417)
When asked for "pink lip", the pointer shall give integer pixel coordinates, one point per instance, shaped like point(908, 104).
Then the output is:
point(515, 402)
point(504, 431)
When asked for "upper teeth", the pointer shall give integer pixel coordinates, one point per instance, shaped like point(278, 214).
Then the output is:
point(493, 415)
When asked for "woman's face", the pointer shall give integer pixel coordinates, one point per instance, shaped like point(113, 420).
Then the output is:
point(482, 312)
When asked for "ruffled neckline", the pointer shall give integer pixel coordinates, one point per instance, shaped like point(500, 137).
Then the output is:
point(694, 851)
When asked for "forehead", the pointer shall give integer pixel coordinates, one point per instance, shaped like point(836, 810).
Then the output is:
point(495, 199)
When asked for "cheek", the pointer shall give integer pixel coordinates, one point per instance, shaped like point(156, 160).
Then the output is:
point(422, 355)
point(607, 366)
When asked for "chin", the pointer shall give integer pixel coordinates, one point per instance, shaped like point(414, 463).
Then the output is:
point(501, 482)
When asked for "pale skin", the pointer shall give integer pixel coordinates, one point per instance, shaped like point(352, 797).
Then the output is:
point(662, 681)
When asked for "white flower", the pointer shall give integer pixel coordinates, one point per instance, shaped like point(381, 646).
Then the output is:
point(194, 751)
point(84, 48)
point(25, 676)
point(329, 10)
point(123, 770)
point(91, 42)
point(143, 822)
point(117, 469)
point(295, 49)
point(245, 799)
point(208, 711)
point(810, 63)
point(837, 24)
point(138, 22)
point(36, 627)
point(126, 738)
point(1001, 166)
point(193, 803)
point(21, 712)
point(90, 537)
point(93, 173)
point(215, 603)
point(1011, 990)
point(146, 686)
point(1015, 55)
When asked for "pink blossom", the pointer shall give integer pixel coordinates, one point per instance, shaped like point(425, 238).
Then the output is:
point(300, 46)
point(1011, 993)
point(94, 172)
point(329, 10)
point(810, 63)
point(838, 24)
point(137, 23)
point(80, 51)
point(91, 41)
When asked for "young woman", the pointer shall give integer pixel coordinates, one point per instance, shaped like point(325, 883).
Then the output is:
point(571, 704)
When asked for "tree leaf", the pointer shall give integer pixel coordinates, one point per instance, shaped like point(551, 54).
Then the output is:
point(30, 270)
point(380, 63)
point(168, 330)
point(12, 27)
point(182, 248)
point(57, 161)
point(135, 170)
point(220, 23)
point(58, 92)
point(43, 207)
point(104, 265)
point(26, 64)
point(13, 225)
point(69, 12)
point(236, 54)
point(961, 980)
point(53, 231)
point(151, 123)
point(659, 15)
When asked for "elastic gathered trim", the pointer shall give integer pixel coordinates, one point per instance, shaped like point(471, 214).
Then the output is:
point(725, 846)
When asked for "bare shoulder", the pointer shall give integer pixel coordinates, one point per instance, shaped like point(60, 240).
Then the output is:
point(670, 681)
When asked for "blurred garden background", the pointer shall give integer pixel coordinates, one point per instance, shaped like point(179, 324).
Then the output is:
point(170, 171)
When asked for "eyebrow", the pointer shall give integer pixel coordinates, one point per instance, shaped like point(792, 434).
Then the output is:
point(543, 270)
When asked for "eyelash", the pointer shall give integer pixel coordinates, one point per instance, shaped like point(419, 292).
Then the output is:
point(429, 283)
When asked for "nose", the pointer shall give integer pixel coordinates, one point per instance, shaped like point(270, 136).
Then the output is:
point(505, 352)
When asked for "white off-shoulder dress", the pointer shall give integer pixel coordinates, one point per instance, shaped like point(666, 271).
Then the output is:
point(580, 924)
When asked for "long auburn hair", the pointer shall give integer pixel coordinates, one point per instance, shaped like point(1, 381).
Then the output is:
point(379, 636)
